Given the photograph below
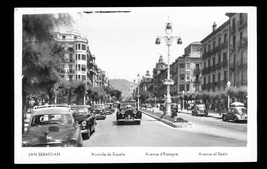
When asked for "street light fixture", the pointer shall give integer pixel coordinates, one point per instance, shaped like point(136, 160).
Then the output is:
point(168, 39)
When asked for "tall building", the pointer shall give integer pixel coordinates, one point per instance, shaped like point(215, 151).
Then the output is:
point(157, 84)
point(215, 57)
point(238, 49)
point(76, 50)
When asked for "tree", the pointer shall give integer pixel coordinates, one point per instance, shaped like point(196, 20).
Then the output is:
point(40, 54)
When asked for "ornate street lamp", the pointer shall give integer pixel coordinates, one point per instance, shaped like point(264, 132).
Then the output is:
point(168, 39)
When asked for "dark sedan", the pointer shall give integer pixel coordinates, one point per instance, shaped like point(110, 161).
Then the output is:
point(99, 110)
point(86, 119)
point(52, 126)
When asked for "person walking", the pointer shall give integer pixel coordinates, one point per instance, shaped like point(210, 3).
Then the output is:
point(164, 110)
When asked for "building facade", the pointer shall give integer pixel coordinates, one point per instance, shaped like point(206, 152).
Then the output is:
point(157, 83)
point(74, 62)
point(238, 49)
point(215, 58)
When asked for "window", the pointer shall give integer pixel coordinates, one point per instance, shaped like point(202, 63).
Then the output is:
point(79, 46)
point(83, 77)
point(241, 57)
point(79, 77)
point(70, 78)
point(182, 66)
point(219, 58)
point(209, 79)
point(204, 80)
point(83, 68)
point(187, 87)
point(213, 61)
point(233, 24)
point(182, 87)
point(225, 38)
point(188, 76)
point(79, 68)
point(234, 42)
point(83, 47)
point(213, 78)
point(208, 63)
point(76, 57)
point(83, 57)
point(225, 76)
point(241, 36)
point(63, 37)
point(219, 41)
point(204, 65)
point(197, 66)
point(219, 77)
point(234, 58)
point(205, 49)
point(79, 56)
point(209, 47)
point(182, 76)
point(224, 57)
point(188, 66)
point(214, 44)
point(242, 78)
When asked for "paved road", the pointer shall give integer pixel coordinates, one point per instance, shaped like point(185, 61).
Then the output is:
point(153, 133)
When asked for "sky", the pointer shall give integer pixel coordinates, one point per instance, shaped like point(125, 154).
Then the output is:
point(124, 43)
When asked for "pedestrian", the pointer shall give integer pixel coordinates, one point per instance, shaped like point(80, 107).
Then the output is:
point(164, 110)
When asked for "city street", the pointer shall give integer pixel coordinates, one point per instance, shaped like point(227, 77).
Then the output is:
point(206, 132)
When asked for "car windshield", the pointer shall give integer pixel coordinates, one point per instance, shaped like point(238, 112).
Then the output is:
point(242, 110)
point(128, 104)
point(81, 110)
point(200, 107)
point(45, 119)
point(99, 106)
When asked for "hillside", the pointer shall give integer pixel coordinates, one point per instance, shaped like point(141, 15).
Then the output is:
point(123, 85)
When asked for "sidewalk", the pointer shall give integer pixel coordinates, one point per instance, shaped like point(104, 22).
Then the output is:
point(157, 114)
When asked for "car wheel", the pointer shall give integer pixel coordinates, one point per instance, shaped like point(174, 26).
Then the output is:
point(223, 118)
point(235, 119)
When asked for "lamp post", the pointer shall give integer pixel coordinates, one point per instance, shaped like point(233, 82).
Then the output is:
point(228, 97)
point(138, 95)
point(168, 39)
point(183, 101)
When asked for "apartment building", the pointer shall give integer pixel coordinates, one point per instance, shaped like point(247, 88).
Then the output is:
point(74, 62)
point(215, 58)
point(238, 49)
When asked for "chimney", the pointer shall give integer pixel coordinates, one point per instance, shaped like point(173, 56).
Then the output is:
point(214, 26)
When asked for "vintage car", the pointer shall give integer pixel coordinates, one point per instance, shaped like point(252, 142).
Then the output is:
point(52, 126)
point(86, 119)
point(199, 109)
point(99, 110)
point(128, 113)
point(108, 108)
point(236, 114)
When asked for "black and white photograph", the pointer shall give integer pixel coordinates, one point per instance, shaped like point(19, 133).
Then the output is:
point(135, 84)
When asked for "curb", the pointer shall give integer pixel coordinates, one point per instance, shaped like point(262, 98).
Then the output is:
point(172, 124)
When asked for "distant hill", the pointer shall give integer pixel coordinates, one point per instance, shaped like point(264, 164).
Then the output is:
point(123, 85)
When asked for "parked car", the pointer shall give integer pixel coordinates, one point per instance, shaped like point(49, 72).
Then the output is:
point(86, 119)
point(52, 126)
point(99, 110)
point(199, 109)
point(108, 108)
point(235, 114)
point(128, 113)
